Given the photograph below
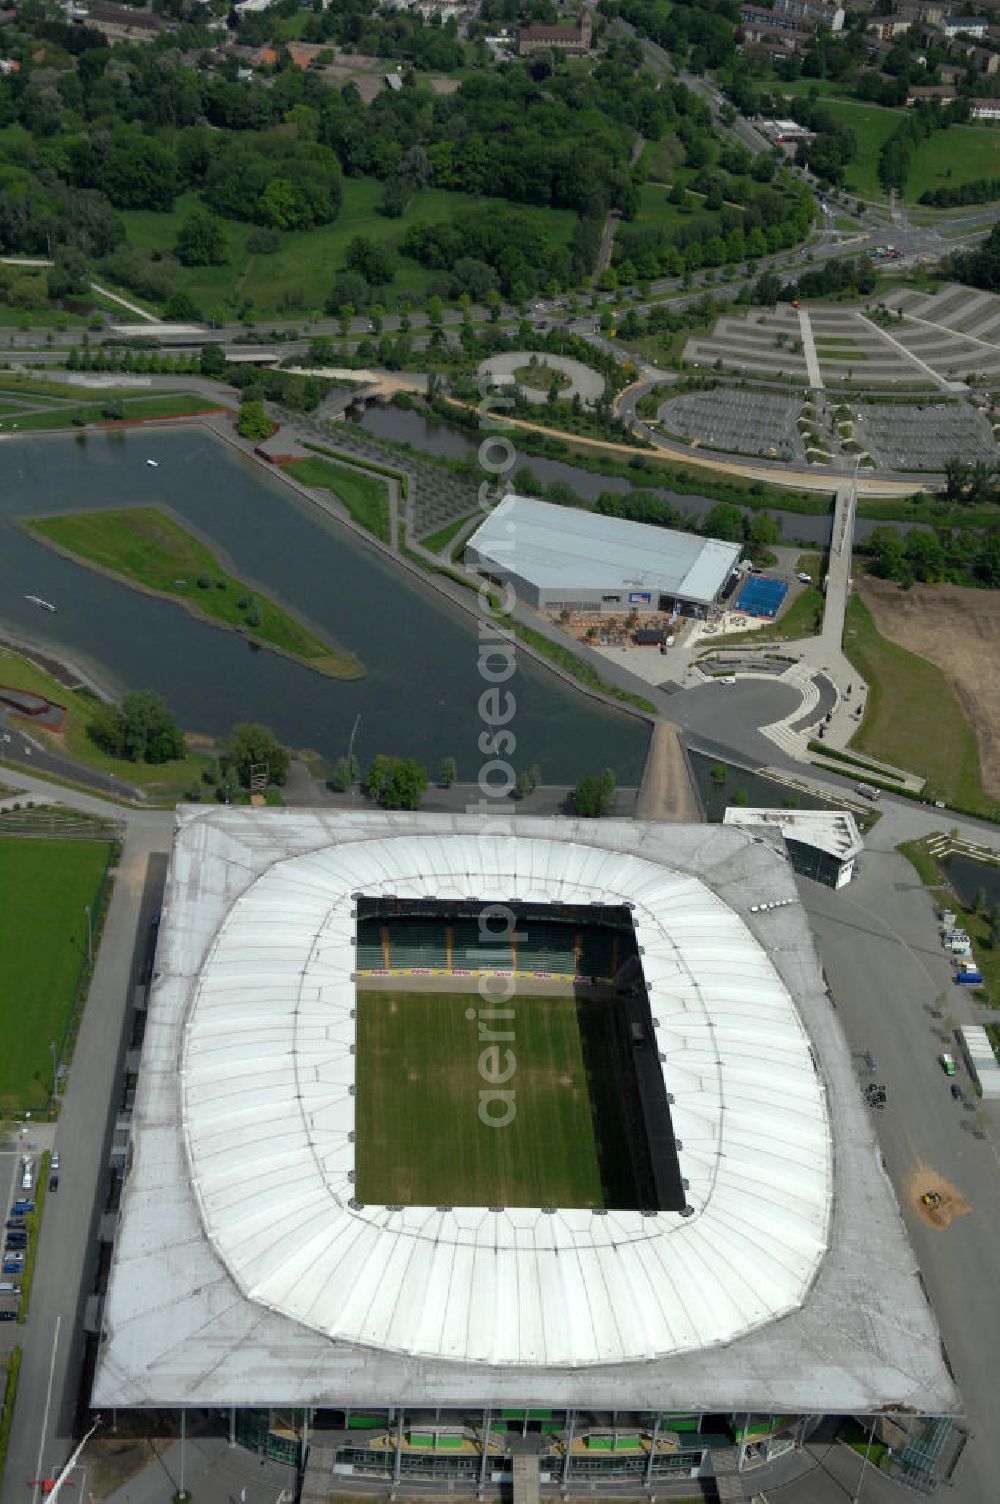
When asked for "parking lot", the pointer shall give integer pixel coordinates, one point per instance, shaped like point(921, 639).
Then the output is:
point(736, 421)
point(923, 435)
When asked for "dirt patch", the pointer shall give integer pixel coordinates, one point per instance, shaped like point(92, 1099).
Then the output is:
point(957, 629)
point(952, 1204)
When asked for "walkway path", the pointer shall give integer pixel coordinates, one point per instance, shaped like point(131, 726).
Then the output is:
point(939, 381)
point(809, 351)
point(665, 792)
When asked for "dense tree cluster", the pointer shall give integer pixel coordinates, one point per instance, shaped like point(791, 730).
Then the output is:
point(979, 191)
point(140, 729)
point(953, 554)
point(515, 250)
point(594, 795)
point(395, 782)
point(981, 267)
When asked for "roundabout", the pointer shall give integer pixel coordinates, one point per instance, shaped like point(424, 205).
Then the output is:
point(572, 376)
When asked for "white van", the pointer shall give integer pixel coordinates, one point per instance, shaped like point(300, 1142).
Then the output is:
point(8, 1288)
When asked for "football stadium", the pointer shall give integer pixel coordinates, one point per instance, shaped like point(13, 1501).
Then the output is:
point(466, 1156)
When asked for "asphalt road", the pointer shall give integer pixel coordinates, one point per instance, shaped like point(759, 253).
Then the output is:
point(52, 1339)
point(887, 971)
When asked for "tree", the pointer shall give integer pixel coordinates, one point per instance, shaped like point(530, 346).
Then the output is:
point(725, 521)
point(395, 782)
point(251, 745)
point(371, 260)
point(202, 240)
point(594, 795)
point(253, 422)
point(212, 362)
point(141, 729)
point(345, 772)
point(449, 772)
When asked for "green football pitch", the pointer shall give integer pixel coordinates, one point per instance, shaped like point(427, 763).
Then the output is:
point(43, 941)
point(420, 1138)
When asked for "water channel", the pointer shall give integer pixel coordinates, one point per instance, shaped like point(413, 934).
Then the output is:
point(422, 687)
point(449, 442)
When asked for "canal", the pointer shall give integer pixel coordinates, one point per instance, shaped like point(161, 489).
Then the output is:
point(449, 442)
point(421, 691)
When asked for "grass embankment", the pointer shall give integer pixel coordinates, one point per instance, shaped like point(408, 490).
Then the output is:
point(364, 463)
point(365, 497)
point(147, 549)
point(43, 950)
point(163, 781)
point(13, 1367)
point(567, 660)
point(139, 410)
point(976, 925)
point(913, 719)
point(438, 542)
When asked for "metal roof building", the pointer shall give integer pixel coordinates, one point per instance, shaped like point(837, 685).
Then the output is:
point(822, 843)
point(560, 557)
point(245, 1272)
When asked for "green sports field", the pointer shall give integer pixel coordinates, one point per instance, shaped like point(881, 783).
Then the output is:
point(420, 1139)
point(43, 940)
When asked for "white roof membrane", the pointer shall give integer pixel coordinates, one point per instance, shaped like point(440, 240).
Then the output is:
point(268, 1119)
point(241, 1274)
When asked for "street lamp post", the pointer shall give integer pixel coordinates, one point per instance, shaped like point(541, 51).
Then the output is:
point(90, 936)
point(55, 1065)
point(350, 751)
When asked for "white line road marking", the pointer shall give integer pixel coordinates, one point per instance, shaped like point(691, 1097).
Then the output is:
point(45, 1417)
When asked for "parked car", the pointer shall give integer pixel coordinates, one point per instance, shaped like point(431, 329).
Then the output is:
point(22, 1207)
point(803, 578)
point(956, 1091)
point(8, 1315)
point(14, 1224)
point(54, 1160)
point(53, 1182)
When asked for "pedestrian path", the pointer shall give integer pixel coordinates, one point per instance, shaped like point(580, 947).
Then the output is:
point(813, 371)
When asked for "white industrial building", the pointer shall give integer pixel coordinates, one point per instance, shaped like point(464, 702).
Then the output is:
point(982, 1060)
point(246, 1273)
point(559, 558)
point(822, 843)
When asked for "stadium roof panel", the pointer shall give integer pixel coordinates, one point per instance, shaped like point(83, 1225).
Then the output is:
point(242, 1274)
point(557, 547)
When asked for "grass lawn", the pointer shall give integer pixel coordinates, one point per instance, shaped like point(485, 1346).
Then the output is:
point(420, 1139)
point(872, 126)
point(166, 781)
point(663, 160)
point(954, 156)
point(438, 542)
point(656, 209)
point(364, 496)
point(541, 376)
point(147, 548)
point(912, 719)
point(43, 943)
point(297, 278)
point(184, 404)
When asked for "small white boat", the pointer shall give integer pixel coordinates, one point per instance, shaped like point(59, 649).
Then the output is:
point(36, 600)
point(153, 464)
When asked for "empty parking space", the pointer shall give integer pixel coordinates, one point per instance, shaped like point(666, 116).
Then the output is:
point(737, 421)
point(923, 436)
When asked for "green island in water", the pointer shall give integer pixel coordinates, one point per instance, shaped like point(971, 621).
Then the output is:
point(150, 551)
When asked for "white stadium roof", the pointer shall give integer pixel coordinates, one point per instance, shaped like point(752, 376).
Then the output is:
point(244, 1271)
point(558, 548)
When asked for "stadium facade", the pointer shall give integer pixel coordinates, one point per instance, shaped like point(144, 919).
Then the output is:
point(560, 559)
point(248, 1277)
